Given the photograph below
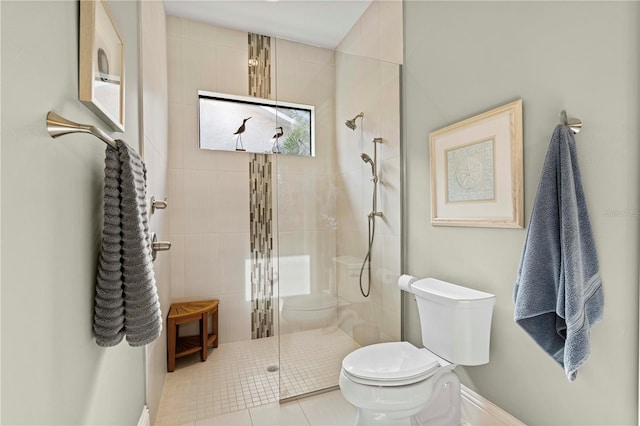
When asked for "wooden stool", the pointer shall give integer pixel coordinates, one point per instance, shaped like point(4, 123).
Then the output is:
point(182, 313)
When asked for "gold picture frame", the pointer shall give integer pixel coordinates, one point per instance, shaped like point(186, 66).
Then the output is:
point(476, 170)
point(101, 63)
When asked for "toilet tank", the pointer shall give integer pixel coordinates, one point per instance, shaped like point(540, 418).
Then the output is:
point(455, 320)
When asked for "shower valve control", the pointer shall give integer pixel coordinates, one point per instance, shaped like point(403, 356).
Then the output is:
point(157, 246)
point(158, 204)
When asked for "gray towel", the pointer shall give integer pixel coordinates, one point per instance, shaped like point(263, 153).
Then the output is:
point(109, 307)
point(558, 292)
point(126, 295)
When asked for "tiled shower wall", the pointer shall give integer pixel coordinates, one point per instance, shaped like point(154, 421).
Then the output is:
point(209, 190)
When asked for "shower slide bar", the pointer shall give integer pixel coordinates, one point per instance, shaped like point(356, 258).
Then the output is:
point(575, 124)
point(59, 126)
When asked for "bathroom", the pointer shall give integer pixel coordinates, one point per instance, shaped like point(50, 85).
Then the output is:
point(460, 58)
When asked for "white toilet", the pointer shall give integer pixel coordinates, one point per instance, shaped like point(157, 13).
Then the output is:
point(399, 384)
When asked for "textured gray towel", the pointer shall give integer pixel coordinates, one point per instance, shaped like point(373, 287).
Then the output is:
point(126, 295)
point(558, 292)
point(109, 308)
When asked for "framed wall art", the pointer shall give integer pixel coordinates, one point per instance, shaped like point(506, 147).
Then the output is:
point(101, 63)
point(476, 170)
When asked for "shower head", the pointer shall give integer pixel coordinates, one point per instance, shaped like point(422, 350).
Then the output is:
point(352, 123)
point(368, 159)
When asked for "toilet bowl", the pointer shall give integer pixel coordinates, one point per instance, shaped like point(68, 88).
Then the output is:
point(396, 383)
point(308, 311)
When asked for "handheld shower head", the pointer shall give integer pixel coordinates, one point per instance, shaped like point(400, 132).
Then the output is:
point(368, 159)
point(352, 123)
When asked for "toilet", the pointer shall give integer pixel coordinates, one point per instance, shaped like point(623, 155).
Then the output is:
point(308, 311)
point(396, 383)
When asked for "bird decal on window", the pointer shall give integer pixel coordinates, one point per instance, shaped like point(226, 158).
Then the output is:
point(239, 132)
point(275, 148)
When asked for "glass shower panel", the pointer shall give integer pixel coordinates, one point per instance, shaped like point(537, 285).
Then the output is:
point(322, 224)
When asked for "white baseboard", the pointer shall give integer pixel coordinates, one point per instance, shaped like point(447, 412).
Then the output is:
point(145, 419)
point(478, 411)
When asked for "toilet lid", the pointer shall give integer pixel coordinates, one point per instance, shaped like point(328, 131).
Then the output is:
point(390, 362)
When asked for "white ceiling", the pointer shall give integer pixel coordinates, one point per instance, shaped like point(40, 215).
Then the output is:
point(317, 22)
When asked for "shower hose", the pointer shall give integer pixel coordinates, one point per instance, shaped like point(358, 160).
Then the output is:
point(367, 258)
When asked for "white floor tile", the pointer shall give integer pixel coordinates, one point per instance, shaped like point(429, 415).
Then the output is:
point(328, 409)
point(235, 377)
point(237, 418)
point(287, 414)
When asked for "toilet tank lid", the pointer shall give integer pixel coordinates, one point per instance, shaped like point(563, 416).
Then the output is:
point(431, 288)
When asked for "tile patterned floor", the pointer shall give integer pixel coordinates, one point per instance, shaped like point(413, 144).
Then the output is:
point(234, 381)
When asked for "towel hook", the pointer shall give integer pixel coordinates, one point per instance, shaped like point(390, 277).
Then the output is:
point(575, 124)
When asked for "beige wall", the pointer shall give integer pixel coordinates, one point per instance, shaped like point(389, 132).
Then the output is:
point(378, 33)
point(52, 370)
point(155, 126)
point(462, 58)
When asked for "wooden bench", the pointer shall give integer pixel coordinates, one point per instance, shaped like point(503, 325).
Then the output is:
point(186, 312)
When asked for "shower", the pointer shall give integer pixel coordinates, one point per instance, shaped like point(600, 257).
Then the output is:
point(352, 123)
point(371, 216)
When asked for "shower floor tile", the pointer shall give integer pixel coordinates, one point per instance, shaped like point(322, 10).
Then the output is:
point(235, 376)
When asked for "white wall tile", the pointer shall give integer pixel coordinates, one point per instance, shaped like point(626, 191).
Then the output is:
point(200, 32)
point(176, 136)
point(200, 68)
point(174, 26)
point(177, 211)
point(202, 208)
point(233, 70)
point(174, 68)
point(234, 316)
point(235, 255)
point(178, 289)
point(231, 198)
point(232, 38)
point(194, 157)
point(201, 265)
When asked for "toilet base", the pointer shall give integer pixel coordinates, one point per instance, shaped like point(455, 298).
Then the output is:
point(442, 409)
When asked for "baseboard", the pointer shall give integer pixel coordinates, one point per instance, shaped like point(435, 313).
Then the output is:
point(145, 419)
point(479, 411)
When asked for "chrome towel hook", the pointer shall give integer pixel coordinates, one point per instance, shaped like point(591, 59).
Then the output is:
point(575, 124)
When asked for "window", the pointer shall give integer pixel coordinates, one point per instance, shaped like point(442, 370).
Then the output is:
point(238, 123)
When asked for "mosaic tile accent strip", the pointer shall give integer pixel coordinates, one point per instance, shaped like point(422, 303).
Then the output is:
point(261, 234)
point(259, 66)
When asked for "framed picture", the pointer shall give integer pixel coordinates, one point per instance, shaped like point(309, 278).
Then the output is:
point(101, 63)
point(476, 170)
point(241, 123)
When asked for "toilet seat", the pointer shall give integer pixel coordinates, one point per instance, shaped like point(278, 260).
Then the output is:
point(389, 364)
